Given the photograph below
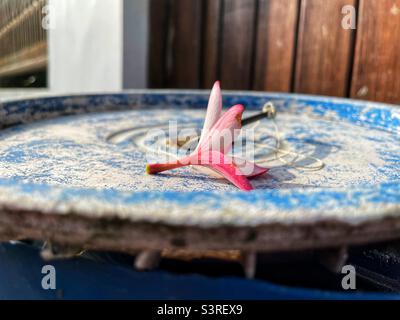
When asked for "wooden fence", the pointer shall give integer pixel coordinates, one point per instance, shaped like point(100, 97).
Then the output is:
point(277, 45)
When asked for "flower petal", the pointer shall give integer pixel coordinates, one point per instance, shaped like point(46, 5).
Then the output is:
point(213, 110)
point(219, 133)
point(224, 132)
point(249, 168)
point(226, 168)
point(216, 161)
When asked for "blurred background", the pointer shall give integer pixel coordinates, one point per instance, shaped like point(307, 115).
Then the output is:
point(344, 48)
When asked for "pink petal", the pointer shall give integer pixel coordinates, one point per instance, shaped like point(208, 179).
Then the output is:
point(248, 168)
point(213, 110)
point(226, 168)
point(224, 132)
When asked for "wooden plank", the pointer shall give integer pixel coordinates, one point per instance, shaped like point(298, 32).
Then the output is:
point(184, 47)
point(157, 43)
point(237, 43)
point(276, 35)
point(376, 73)
point(323, 61)
point(211, 40)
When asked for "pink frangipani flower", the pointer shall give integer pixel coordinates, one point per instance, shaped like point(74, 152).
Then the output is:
point(218, 134)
